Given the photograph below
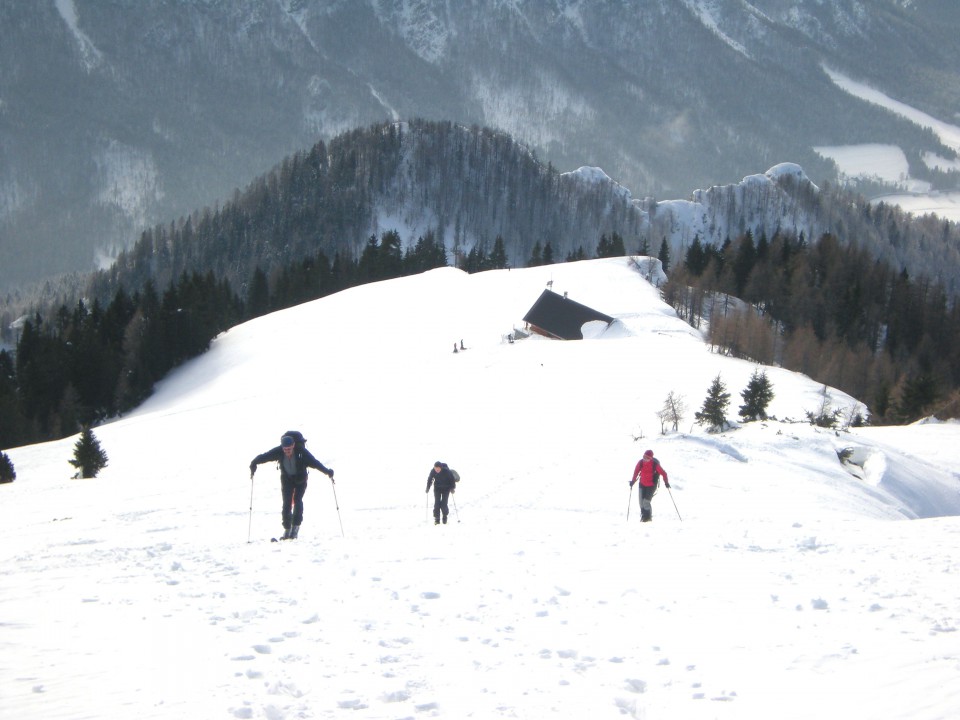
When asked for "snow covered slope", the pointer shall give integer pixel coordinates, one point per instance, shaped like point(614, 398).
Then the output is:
point(792, 586)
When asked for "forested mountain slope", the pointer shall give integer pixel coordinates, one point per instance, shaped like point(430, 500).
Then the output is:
point(116, 115)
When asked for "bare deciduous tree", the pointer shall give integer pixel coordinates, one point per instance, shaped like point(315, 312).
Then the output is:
point(672, 412)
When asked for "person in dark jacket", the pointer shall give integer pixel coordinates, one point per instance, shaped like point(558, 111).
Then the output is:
point(293, 459)
point(648, 472)
point(443, 484)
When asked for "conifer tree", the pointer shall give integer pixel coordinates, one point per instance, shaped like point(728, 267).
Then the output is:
point(7, 473)
point(664, 255)
point(614, 247)
point(697, 258)
point(536, 256)
point(756, 397)
point(88, 457)
point(917, 395)
point(617, 246)
point(12, 423)
point(603, 247)
point(498, 258)
point(714, 410)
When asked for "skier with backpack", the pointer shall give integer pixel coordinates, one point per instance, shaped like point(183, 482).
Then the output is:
point(293, 459)
point(444, 481)
point(648, 472)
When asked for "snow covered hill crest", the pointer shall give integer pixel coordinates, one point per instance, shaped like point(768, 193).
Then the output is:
point(378, 358)
point(768, 559)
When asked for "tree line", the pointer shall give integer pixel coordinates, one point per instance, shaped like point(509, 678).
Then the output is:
point(826, 309)
point(830, 310)
point(90, 362)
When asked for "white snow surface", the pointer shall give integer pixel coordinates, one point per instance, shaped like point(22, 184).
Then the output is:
point(705, 10)
point(89, 53)
point(774, 581)
point(885, 162)
point(589, 175)
point(948, 133)
point(888, 162)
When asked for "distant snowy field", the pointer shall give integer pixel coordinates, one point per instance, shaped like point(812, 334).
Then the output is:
point(888, 162)
point(792, 587)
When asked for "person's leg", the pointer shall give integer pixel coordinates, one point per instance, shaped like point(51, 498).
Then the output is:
point(296, 519)
point(436, 505)
point(286, 490)
point(299, 491)
point(444, 508)
point(646, 506)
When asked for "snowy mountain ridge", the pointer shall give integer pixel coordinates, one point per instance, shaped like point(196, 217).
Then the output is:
point(119, 115)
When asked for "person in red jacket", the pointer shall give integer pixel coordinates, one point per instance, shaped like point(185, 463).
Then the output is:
point(648, 472)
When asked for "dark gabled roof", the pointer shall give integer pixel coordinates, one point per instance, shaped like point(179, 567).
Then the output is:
point(560, 317)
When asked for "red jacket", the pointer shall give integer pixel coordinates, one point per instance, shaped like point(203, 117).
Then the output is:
point(646, 469)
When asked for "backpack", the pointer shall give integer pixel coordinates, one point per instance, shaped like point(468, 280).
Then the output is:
point(456, 475)
point(299, 441)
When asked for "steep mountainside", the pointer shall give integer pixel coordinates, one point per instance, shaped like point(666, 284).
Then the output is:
point(469, 186)
point(117, 114)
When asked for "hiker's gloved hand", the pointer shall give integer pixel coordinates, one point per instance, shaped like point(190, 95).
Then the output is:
point(253, 468)
point(330, 473)
point(667, 483)
point(632, 482)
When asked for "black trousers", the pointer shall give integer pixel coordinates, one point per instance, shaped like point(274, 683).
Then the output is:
point(646, 507)
point(440, 498)
point(292, 501)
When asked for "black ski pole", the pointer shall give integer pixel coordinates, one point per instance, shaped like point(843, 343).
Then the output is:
point(629, 502)
point(250, 523)
point(455, 507)
point(334, 488)
point(674, 502)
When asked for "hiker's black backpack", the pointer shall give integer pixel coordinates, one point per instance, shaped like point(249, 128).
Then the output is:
point(456, 475)
point(299, 441)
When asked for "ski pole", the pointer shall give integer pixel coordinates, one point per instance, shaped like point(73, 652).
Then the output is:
point(337, 504)
point(250, 523)
point(670, 492)
point(629, 502)
point(455, 507)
